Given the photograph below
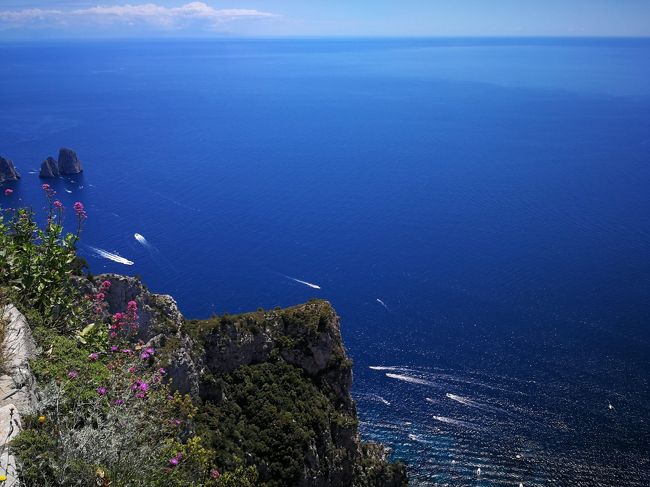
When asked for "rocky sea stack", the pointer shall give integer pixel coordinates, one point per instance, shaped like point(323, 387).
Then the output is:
point(8, 170)
point(67, 164)
point(49, 168)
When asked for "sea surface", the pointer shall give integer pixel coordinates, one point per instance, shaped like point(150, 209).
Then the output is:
point(477, 210)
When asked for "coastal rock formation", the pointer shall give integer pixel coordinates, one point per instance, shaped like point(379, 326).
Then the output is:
point(8, 170)
point(69, 163)
point(17, 384)
point(270, 349)
point(49, 168)
point(273, 387)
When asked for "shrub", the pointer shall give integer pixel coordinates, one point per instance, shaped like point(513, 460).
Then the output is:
point(36, 263)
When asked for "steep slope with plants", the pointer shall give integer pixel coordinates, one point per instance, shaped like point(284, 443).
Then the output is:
point(129, 393)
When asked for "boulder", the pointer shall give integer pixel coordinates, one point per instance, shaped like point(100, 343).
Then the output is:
point(69, 163)
point(49, 168)
point(8, 170)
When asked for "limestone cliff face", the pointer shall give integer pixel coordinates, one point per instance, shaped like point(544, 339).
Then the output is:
point(206, 356)
point(8, 171)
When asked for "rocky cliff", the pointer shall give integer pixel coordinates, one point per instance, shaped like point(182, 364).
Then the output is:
point(69, 163)
point(8, 171)
point(49, 168)
point(273, 388)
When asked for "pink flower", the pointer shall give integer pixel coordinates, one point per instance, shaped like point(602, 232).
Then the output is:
point(9, 192)
point(118, 402)
point(73, 374)
point(127, 351)
point(100, 297)
point(46, 187)
point(162, 371)
point(214, 474)
point(114, 349)
point(140, 395)
point(93, 357)
point(144, 356)
point(131, 370)
point(101, 391)
point(132, 306)
point(79, 210)
point(144, 387)
point(173, 461)
point(57, 204)
point(106, 284)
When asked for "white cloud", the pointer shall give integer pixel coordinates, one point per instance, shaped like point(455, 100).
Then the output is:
point(27, 15)
point(145, 13)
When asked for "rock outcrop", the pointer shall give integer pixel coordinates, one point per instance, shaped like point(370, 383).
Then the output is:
point(301, 345)
point(17, 385)
point(159, 321)
point(8, 171)
point(49, 168)
point(68, 162)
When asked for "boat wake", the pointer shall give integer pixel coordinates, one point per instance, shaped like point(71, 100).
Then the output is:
point(412, 380)
point(457, 422)
point(142, 240)
point(155, 254)
point(111, 256)
point(383, 304)
point(308, 284)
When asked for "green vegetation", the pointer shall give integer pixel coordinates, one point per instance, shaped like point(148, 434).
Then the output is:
point(271, 416)
point(108, 415)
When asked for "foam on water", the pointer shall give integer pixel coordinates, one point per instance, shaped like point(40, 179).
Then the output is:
point(111, 256)
point(308, 284)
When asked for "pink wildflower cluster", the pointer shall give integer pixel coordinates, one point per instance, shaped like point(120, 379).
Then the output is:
point(9, 192)
point(140, 388)
point(80, 211)
point(49, 192)
point(125, 322)
point(98, 299)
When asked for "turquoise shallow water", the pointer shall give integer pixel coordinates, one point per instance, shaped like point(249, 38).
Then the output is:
point(492, 194)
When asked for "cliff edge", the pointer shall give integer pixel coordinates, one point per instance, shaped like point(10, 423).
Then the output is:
point(273, 388)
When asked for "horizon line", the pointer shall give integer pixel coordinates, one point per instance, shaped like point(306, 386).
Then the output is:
point(326, 37)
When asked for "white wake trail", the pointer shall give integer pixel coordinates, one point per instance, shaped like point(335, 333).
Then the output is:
point(309, 284)
point(412, 380)
point(111, 256)
point(383, 304)
point(457, 422)
point(462, 400)
point(140, 238)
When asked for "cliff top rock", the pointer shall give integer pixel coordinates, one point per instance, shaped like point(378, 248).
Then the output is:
point(8, 170)
point(69, 163)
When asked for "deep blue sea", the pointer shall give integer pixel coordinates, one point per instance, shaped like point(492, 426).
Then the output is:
point(478, 212)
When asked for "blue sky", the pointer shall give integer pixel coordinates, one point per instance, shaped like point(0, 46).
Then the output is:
point(186, 18)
